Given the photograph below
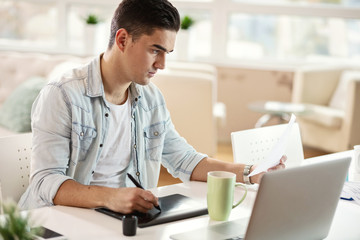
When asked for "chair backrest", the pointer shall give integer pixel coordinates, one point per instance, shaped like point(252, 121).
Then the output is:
point(254, 145)
point(190, 98)
point(15, 153)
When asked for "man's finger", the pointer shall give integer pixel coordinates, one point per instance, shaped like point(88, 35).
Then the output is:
point(150, 197)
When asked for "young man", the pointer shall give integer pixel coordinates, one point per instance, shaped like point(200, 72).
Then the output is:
point(99, 122)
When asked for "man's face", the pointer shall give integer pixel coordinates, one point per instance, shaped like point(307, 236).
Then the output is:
point(147, 54)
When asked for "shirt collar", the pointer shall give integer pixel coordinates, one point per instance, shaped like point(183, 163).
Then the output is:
point(95, 86)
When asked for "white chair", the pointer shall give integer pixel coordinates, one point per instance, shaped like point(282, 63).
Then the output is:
point(15, 152)
point(190, 96)
point(333, 94)
point(219, 109)
point(254, 145)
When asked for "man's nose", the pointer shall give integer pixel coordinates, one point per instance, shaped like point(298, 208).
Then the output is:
point(160, 61)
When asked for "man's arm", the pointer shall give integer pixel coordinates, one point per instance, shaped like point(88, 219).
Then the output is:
point(124, 200)
point(209, 164)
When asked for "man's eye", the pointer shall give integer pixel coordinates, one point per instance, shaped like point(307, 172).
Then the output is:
point(155, 51)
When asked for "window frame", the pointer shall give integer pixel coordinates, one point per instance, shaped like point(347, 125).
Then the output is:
point(219, 11)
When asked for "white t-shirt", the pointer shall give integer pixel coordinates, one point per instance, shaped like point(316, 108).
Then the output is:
point(115, 156)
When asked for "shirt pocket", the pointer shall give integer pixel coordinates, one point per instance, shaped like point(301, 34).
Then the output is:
point(154, 141)
point(82, 137)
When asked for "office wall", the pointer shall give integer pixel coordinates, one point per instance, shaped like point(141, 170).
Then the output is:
point(237, 87)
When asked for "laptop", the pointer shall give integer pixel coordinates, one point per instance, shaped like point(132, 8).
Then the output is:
point(296, 203)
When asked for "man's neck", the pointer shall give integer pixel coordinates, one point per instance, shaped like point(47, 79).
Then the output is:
point(115, 89)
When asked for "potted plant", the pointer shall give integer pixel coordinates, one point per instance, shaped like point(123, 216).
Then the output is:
point(90, 32)
point(92, 19)
point(14, 225)
point(186, 22)
point(182, 45)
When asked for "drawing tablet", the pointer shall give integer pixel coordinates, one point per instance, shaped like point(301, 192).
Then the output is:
point(173, 207)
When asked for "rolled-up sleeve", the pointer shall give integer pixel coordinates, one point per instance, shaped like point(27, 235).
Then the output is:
point(51, 127)
point(179, 157)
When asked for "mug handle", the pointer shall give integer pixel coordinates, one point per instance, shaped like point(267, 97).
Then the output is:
point(243, 197)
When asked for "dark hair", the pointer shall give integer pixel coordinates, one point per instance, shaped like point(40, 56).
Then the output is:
point(140, 17)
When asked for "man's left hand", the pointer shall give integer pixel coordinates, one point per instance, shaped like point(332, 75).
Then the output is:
point(257, 178)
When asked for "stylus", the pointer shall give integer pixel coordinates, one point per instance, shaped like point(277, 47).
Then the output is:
point(139, 186)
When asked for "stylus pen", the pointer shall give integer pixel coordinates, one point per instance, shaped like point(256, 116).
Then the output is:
point(139, 186)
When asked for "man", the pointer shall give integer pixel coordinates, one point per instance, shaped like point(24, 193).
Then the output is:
point(101, 121)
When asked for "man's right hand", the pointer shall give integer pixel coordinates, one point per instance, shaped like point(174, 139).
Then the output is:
point(127, 200)
point(123, 200)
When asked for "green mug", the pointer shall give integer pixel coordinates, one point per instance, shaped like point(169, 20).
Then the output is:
point(220, 194)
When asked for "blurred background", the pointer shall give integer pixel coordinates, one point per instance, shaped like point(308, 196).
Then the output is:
point(256, 46)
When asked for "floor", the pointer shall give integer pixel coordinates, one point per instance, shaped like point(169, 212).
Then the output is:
point(225, 154)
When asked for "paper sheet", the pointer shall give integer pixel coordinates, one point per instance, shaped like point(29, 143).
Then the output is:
point(351, 191)
point(277, 151)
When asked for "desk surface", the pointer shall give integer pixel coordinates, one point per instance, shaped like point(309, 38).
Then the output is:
point(79, 223)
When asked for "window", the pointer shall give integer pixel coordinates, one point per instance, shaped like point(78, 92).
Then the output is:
point(292, 37)
point(279, 31)
point(225, 31)
point(28, 23)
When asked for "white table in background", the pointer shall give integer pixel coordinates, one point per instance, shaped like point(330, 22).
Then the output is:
point(280, 110)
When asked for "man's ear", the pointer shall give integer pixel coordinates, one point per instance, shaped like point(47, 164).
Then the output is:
point(121, 39)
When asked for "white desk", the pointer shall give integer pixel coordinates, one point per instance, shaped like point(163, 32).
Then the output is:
point(78, 223)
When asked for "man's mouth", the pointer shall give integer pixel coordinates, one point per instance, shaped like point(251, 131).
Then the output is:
point(152, 74)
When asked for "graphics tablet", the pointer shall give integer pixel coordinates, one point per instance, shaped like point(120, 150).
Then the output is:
point(173, 207)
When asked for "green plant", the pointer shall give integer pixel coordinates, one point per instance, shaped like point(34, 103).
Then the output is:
point(92, 19)
point(14, 225)
point(186, 22)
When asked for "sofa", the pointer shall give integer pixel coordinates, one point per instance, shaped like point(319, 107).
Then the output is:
point(332, 94)
point(189, 88)
point(22, 77)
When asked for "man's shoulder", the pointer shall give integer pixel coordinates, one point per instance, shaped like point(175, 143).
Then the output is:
point(70, 73)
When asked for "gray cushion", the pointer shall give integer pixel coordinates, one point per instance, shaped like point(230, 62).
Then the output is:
point(16, 110)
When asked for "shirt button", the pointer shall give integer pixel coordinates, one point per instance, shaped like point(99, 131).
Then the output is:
point(156, 133)
point(106, 114)
point(133, 116)
point(82, 134)
point(101, 145)
point(135, 146)
point(137, 174)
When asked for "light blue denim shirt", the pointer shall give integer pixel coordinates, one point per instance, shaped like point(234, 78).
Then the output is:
point(70, 124)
